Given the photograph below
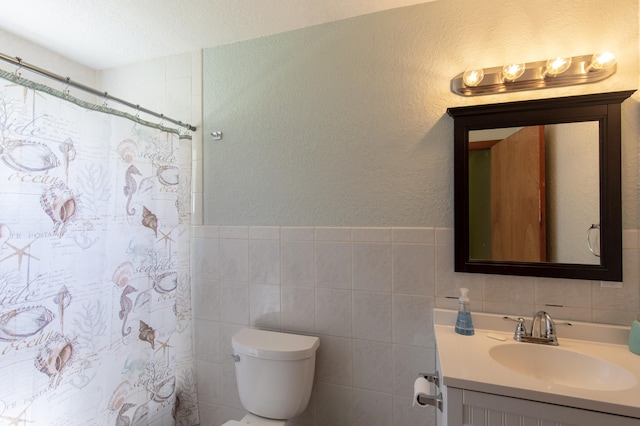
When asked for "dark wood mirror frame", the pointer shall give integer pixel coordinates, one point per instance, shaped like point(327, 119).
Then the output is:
point(604, 108)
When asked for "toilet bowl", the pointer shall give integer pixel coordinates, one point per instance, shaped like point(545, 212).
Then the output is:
point(274, 373)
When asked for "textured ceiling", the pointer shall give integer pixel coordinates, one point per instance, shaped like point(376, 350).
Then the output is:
point(105, 34)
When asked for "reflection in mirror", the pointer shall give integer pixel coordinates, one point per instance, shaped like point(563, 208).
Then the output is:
point(537, 187)
point(534, 193)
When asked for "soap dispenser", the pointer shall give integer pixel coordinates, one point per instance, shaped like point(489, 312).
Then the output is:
point(464, 324)
point(634, 337)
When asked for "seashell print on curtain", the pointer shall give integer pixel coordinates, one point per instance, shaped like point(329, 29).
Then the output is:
point(95, 316)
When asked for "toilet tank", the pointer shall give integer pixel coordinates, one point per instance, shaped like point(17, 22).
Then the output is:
point(274, 371)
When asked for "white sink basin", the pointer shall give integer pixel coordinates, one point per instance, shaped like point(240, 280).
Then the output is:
point(562, 367)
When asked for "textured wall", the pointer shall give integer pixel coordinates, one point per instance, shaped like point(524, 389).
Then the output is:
point(345, 123)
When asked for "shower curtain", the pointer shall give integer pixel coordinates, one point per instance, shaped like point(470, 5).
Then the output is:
point(95, 310)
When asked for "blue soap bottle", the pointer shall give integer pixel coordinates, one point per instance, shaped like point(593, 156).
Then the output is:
point(464, 324)
point(634, 337)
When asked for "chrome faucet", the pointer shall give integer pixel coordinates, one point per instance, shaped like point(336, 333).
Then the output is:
point(543, 330)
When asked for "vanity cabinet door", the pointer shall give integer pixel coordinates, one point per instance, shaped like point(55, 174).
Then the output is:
point(470, 408)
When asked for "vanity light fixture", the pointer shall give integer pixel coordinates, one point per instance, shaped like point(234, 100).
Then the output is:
point(555, 72)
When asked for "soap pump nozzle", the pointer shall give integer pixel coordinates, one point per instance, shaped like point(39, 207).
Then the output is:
point(463, 300)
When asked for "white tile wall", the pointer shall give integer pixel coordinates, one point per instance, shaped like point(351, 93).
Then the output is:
point(15, 46)
point(368, 293)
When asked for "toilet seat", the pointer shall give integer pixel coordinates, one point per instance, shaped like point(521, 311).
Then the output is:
point(251, 419)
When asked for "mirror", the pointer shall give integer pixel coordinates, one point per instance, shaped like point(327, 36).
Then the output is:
point(534, 193)
point(538, 187)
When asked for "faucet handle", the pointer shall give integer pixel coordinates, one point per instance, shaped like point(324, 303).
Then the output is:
point(521, 329)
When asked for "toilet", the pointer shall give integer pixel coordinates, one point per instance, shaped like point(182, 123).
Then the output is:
point(274, 373)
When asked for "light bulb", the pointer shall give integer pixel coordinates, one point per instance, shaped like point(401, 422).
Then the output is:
point(472, 78)
point(513, 71)
point(557, 66)
point(602, 60)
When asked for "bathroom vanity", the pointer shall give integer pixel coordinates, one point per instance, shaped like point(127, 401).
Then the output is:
point(589, 379)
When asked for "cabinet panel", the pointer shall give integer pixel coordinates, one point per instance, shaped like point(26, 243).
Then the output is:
point(470, 408)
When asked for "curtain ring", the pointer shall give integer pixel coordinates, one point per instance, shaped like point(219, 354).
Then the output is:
point(591, 228)
point(66, 91)
point(17, 71)
point(106, 98)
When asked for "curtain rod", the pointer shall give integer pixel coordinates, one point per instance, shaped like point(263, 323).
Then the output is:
point(18, 61)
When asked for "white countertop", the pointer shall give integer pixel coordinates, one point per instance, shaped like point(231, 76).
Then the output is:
point(465, 362)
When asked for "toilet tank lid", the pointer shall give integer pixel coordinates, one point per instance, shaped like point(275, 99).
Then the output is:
point(274, 345)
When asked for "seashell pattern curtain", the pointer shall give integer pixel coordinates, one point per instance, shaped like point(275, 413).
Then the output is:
point(95, 311)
